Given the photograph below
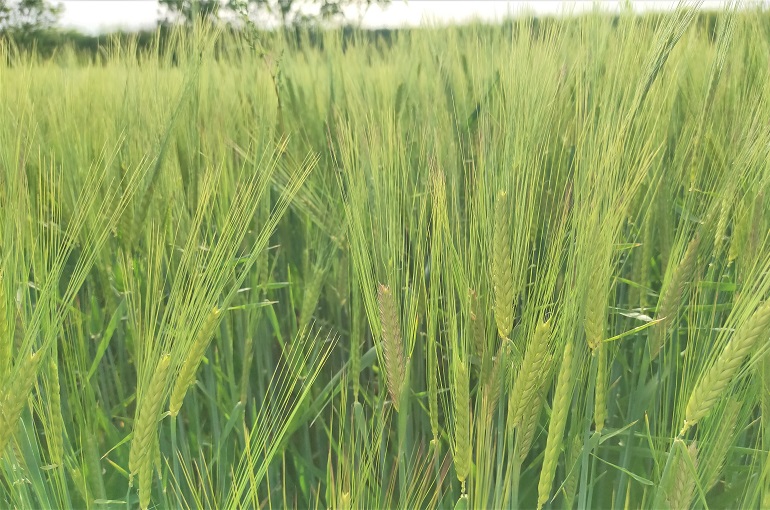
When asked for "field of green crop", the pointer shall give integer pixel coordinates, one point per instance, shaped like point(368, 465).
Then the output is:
point(513, 266)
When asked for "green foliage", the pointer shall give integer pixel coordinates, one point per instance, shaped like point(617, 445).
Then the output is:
point(269, 270)
point(288, 12)
point(24, 19)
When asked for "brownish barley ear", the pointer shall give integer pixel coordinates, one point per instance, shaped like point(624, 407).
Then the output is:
point(392, 346)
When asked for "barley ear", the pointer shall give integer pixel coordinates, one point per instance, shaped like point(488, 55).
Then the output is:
point(572, 469)
point(478, 326)
point(717, 378)
point(147, 413)
point(722, 221)
point(502, 270)
point(462, 457)
point(528, 379)
point(356, 337)
point(671, 296)
point(14, 396)
point(6, 342)
point(561, 403)
point(56, 421)
point(497, 377)
point(144, 445)
point(145, 473)
point(596, 310)
point(433, 376)
point(248, 356)
point(528, 424)
point(186, 376)
point(600, 394)
point(682, 486)
point(721, 443)
point(392, 345)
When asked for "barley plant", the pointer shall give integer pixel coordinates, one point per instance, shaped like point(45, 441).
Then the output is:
point(522, 265)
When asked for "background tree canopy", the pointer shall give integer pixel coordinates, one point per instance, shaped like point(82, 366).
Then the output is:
point(27, 17)
point(285, 11)
point(24, 20)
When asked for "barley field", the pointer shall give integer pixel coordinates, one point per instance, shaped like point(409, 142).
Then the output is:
point(523, 265)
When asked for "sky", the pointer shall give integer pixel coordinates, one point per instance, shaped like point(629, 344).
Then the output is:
point(93, 16)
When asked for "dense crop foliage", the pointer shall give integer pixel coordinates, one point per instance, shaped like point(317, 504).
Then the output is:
point(515, 266)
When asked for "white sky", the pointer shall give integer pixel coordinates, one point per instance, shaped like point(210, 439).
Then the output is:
point(93, 16)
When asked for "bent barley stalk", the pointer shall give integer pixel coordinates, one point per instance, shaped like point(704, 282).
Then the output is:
point(392, 346)
point(186, 376)
point(716, 379)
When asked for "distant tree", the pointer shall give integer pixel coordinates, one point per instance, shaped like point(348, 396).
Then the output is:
point(286, 11)
point(25, 18)
point(191, 9)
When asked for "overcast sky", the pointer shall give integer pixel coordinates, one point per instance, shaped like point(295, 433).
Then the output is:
point(99, 15)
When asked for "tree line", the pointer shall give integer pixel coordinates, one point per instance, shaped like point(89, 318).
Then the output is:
point(22, 19)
